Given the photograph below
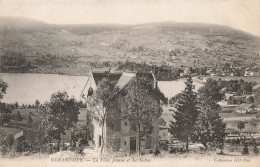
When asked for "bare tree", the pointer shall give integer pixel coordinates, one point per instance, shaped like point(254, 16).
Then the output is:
point(141, 108)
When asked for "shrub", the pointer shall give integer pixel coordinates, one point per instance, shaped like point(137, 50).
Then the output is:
point(4, 150)
point(256, 150)
point(157, 152)
point(9, 141)
point(80, 151)
point(151, 152)
point(64, 148)
point(232, 149)
point(164, 145)
point(173, 150)
point(245, 150)
point(18, 146)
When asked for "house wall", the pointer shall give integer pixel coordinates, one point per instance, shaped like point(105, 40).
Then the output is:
point(122, 136)
point(125, 133)
point(66, 136)
point(97, 134)
point(236, 100)
point(96, 123)
point(125, 136)
point(90, 83)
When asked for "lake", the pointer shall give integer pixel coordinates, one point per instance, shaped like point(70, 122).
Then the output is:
point(25, 88)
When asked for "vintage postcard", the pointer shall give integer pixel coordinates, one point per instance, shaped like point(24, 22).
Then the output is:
point(129, 83)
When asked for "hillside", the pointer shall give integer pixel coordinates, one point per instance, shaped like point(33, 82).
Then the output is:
point(73, 49)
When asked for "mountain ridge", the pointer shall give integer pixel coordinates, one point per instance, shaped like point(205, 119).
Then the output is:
point(188, 25)
point(52, 48)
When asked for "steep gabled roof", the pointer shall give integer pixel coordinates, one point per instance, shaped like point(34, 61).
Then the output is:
point(148, 75)
point(244, 106)
point(238, 97)
point(125, 79)
point(18, 135)
point(112, 76)
point(256, 87)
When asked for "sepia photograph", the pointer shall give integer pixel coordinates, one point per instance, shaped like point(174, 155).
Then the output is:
point(129, 83)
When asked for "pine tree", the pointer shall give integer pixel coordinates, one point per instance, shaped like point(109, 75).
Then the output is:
point(210, 129)
point(37, 103)
point(245, 149)
point(185, 115)
point(18, 116)
point(240, 125)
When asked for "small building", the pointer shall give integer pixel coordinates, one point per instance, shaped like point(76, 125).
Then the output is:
point(245, 108)
point(256, 88)
point(167, 114)
point(19, 143)
point(256, 74)
point(163, 132)
point(80, 132)
point(213, 74)
point(19, 136)
point(174, 57)
point(187, 71)
point(66, 137)
point(236, 100)
point(234, 74)
point(248, 73)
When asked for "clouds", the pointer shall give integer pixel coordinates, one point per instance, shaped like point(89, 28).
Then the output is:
point(244, 15)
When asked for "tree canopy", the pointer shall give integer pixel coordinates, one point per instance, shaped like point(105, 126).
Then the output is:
point(3, 87)
point(141, 108)
point(240, 125)
point(210, 129)
point(186, 114)
point(62, 112)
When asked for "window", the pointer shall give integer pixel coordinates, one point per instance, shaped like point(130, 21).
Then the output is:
point(125, 142)
point(125, 123)
point(116, 145)
point(117, 125)
point(99, 141)
point(148, 142)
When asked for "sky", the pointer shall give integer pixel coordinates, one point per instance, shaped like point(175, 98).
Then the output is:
point(240, 14)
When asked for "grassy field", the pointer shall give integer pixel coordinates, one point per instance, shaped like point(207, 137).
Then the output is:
point(233, 118)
